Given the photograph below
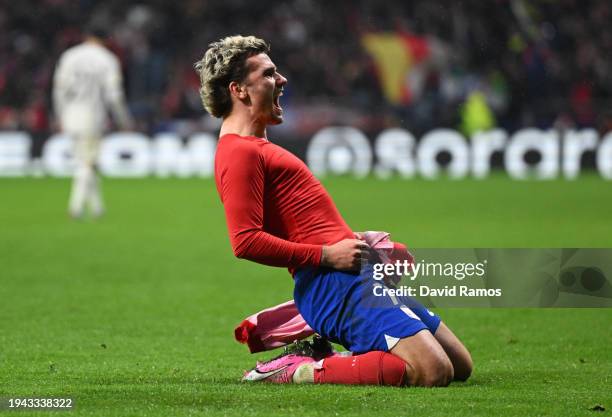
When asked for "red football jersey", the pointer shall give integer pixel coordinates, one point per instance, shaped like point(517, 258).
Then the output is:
point(277, 212)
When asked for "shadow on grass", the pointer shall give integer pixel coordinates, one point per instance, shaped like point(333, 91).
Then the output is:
point(236, 383)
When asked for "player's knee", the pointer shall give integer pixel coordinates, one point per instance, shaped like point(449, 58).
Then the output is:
point(437, 371)
point(464, 367)
point(83, 169)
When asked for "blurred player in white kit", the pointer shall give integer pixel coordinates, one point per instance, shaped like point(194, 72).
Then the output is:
point(88, 82)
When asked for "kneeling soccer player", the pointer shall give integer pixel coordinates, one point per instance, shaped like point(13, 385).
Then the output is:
point(279, 214)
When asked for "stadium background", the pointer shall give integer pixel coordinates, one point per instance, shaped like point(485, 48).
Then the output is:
point(371, 65)
point(133, 314)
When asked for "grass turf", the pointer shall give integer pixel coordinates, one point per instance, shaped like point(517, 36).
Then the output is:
point(133, 314)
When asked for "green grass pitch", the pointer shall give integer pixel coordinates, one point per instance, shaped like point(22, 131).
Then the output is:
point(134, 314)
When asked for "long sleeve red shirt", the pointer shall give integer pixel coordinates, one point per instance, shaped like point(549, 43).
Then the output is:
point(277, 212)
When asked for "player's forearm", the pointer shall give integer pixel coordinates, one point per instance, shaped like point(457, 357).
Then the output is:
point(121, 114)
point(264, 248)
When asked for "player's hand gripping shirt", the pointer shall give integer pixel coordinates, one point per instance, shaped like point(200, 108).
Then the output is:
point(277, 212)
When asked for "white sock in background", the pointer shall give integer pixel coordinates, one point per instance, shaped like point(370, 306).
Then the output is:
point(80, 190)
point(96, 203)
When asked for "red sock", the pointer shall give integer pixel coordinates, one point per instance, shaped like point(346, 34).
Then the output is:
point(372, 368)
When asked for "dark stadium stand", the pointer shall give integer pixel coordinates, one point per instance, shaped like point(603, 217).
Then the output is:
point(538, 64)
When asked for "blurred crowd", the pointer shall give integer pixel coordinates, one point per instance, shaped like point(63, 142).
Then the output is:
point(506, 63)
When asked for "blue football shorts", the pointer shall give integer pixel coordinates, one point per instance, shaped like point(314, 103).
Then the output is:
point(342, 306)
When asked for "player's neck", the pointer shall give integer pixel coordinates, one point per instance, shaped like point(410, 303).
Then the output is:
point(94, 40)
point(243, 126)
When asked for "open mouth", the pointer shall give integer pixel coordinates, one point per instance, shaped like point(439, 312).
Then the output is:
point(276, 101)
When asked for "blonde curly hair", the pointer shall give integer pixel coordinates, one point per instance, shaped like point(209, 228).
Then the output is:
point(224, 62)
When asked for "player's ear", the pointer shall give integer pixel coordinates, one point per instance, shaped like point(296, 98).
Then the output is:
point(238, 90)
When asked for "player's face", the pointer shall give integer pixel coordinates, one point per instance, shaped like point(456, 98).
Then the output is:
point(264, 87)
